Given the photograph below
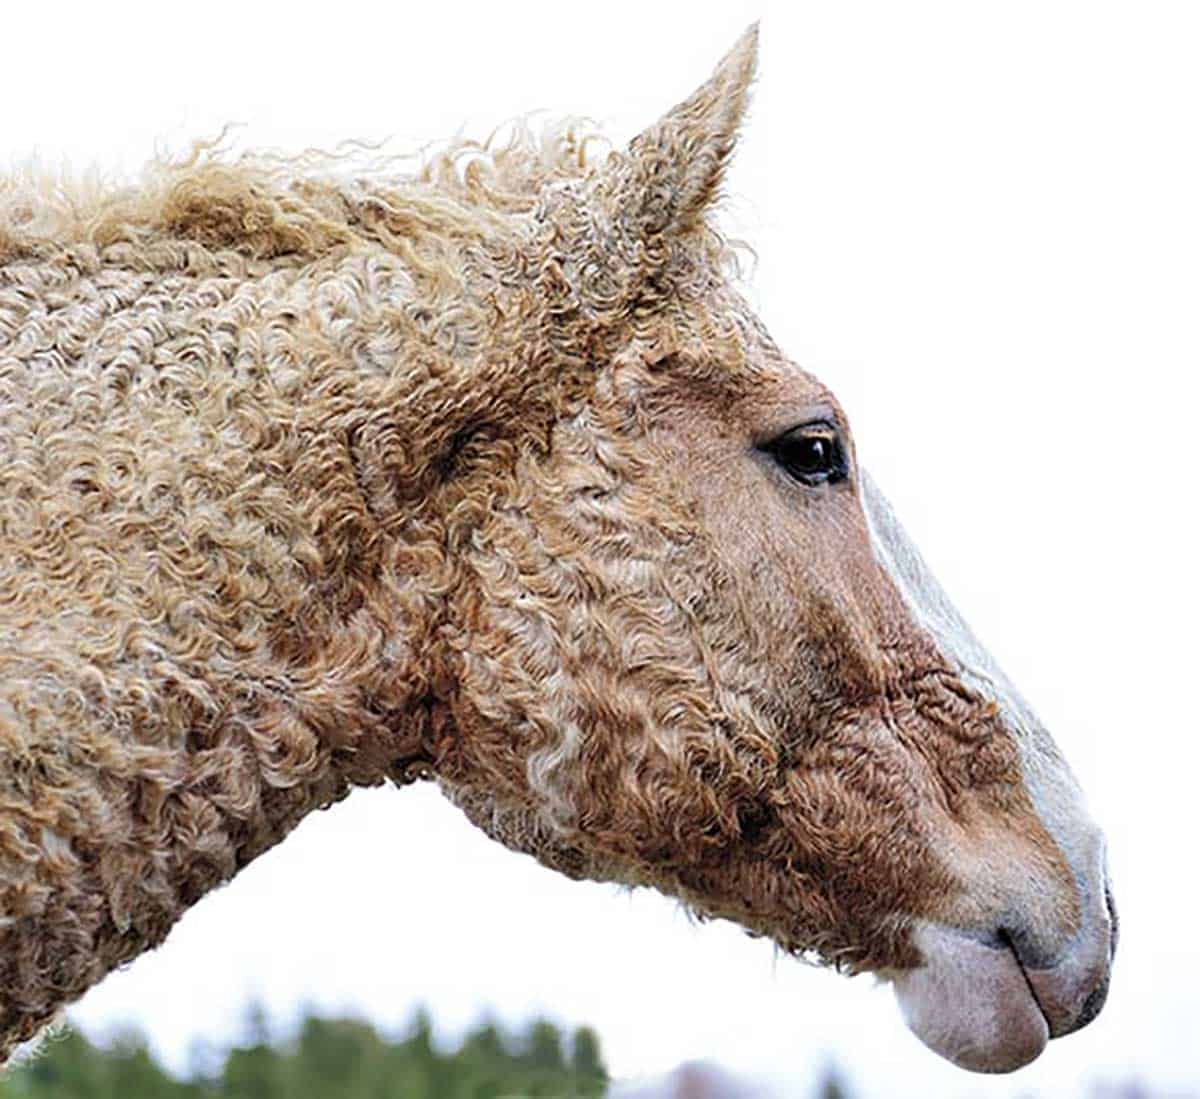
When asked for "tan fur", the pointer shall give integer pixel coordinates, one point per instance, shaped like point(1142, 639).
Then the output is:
point(309, 482)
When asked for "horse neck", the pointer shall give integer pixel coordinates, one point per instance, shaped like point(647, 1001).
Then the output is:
point(235, 632)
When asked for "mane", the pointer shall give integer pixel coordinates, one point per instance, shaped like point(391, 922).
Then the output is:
point(265, 206)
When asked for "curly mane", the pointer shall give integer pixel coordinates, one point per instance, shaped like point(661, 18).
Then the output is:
point(265, 206)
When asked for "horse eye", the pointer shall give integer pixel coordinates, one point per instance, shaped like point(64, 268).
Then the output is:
point(811, 453)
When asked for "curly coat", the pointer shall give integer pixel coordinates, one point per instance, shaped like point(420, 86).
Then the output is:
point(308, 483)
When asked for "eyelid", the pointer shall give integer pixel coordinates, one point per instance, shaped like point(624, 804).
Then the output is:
point(818, 428)
point(819, 415)
point(821, 429)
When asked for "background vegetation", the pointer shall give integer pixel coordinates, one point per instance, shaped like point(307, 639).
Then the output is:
point(325, 1058)
point(348, 1058)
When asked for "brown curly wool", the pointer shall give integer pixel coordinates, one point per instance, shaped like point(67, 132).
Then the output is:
point(309, 482)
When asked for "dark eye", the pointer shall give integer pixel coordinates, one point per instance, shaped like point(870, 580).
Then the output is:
point(811, 453)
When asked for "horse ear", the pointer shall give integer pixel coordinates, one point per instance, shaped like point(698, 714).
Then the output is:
point(672, 171)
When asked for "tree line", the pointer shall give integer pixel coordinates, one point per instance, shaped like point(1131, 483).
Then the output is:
point(325, 1058)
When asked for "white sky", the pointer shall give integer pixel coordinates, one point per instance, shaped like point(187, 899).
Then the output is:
point(981, 225)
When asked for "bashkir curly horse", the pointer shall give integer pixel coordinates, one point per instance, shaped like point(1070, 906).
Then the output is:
point(487, 474)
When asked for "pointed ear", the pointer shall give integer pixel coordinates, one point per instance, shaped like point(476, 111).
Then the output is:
point(672, 171)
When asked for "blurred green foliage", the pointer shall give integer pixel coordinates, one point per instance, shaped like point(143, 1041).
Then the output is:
point(325, 1059)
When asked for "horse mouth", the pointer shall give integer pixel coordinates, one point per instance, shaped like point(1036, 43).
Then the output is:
point(972, 1003)
point(1005, 942)
point(1060, 1023)
point(976, 1003)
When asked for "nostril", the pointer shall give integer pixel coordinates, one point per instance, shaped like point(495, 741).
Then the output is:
point(1113, 919)
point(1091, 1006)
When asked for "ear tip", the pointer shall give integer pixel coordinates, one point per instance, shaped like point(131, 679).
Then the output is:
point(736, 70)
point(691, 144)
point(744, 55)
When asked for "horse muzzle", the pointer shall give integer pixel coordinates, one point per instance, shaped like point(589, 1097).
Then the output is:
point(989, 1001)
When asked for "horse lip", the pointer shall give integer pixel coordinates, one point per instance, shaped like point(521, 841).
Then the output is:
point(971, 1001)
point(1045, 981)
point(1004, 941)
point(990, 1000)
point(1085, 963)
